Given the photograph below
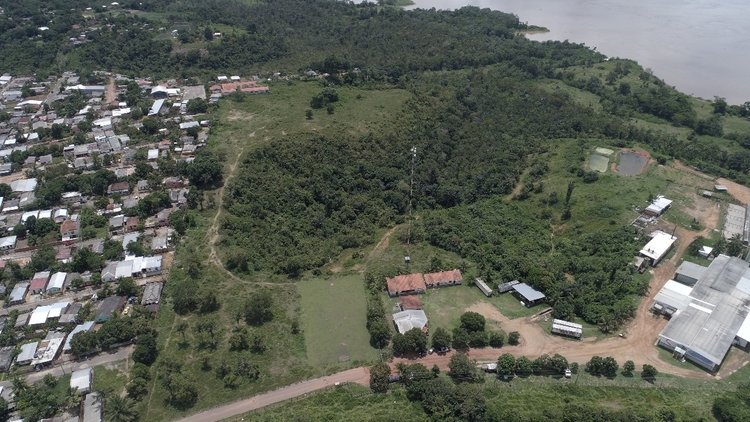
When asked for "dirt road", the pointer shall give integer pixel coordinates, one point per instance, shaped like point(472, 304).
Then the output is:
point(66, 368)
point(358, 375)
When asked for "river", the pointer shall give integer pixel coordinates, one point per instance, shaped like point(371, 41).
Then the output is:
point(699, 46)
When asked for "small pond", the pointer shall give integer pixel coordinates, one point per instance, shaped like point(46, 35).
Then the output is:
point(631, 164)
point(598, 163)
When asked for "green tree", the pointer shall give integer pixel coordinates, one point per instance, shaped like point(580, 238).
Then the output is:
point(497, 339)
point(506, 364)
point(649, 372)
point(145, 350)
point(380, 332)
point(513, 338)
point(462, 368)
point(19, 230)
point(441, 338)
point(460, 338)
point(205, 170)
point(472, 321)
point(523, 366)
point(84, 342)
point(137, 388)
point(238, 340)
point(259, 308)
point(119, 409)
point(197, 106)
point(399, 344)
point(628, 368)
point(127, 287)
point(379, 377)
point(416, 339)
point(208, 33)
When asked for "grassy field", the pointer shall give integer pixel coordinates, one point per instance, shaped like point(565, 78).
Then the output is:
point(111, 378)
point(333, 320)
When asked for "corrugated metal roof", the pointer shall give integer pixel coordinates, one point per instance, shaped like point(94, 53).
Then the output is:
point(691, 270)
point(716, 313)
point(528, 292)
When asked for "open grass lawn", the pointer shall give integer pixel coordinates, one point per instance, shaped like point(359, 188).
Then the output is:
point(110, 379)
point(445, 305)
point(511, 307)
point(282, 112)
point(333, 321)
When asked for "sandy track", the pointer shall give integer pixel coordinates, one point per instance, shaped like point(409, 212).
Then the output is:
point(739, 192)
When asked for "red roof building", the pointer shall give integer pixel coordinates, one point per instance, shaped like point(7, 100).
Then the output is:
point(443, 278)
point(411, 302)
point(409, 284)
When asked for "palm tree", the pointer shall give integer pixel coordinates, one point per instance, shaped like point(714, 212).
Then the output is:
point(119, 409)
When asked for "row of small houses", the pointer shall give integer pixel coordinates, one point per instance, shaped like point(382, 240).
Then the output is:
point(45, 351)
point(42, 282)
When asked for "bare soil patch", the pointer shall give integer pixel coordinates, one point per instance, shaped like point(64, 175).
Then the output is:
point(235, 115)
point(738, 191)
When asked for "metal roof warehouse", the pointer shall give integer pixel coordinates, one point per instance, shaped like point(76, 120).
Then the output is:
point(715, 317)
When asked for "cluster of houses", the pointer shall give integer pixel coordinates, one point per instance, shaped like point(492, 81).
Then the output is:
point(412, 315)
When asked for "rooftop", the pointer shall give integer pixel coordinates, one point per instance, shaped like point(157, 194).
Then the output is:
point(528, 292)
point(409, 319)
point(409, 302)
point(404, 283)
point(691, 270)
point(443, 277)
point(717, 309)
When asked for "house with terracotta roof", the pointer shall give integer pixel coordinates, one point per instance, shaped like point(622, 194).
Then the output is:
point(410, 302)
point(131, 224)
point(409, 284)
point(443, 278)
point(70, 229)
point(39, 282)
point(123, 188)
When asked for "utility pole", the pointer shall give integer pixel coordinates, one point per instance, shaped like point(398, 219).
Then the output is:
point(413, 151)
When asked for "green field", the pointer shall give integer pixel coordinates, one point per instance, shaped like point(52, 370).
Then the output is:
point(333, 320)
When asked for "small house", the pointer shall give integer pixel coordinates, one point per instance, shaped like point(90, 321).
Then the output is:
point(410, 319)
point(658, 247)
point(18, 294)
point(528, 295)
point(6, 358)
point(122, 188)
point(131, 224)
point(443, 278)
point(56, 283)
point(70, 230)
point(406, 285)
point(28, 351)
point(108, 307)
point(39, 282)
point(658, 206)
point(81, 380)
point(8, 243)
point(109, 273)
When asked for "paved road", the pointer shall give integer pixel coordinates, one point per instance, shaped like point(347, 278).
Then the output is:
point(359, 375)
point(68, 367)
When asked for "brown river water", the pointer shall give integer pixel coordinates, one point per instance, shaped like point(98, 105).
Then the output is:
point(702, 47)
